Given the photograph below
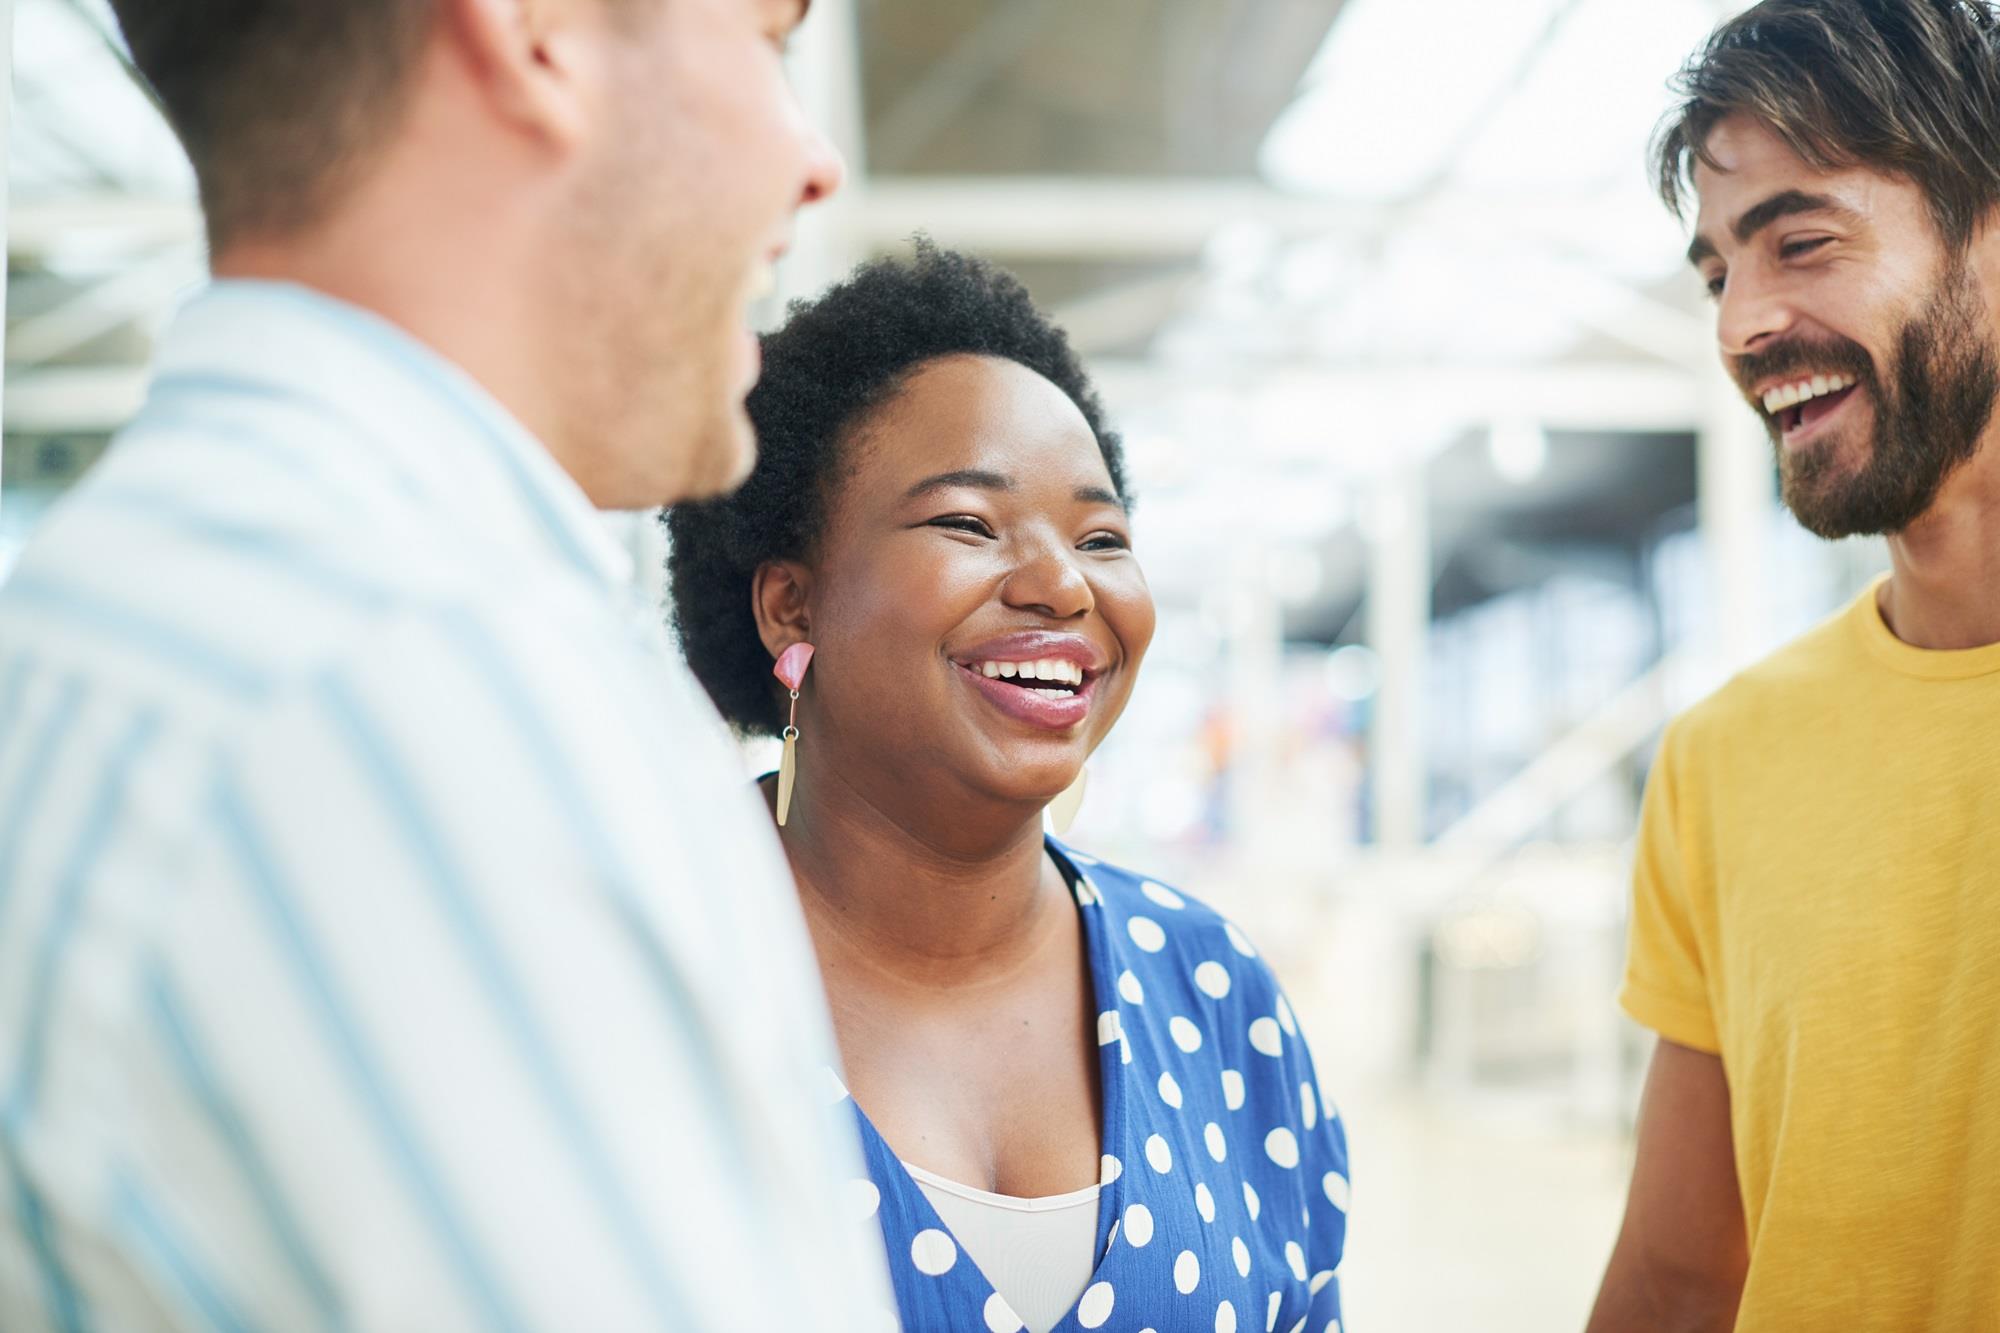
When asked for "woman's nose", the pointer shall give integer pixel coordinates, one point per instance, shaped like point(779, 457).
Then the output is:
point(1048, 582)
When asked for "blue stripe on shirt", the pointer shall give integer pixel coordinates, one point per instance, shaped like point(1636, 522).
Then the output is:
point(157, 636)
point(59, 1293)
point(164, 413)
point(32, 785)
point(566, 789)
point(434, 378)
point(254, 857)
point(259, 547)
point(405, 805)
point(13, 693)
point(72, 888)
point(99, 825)
point(185, 1053)
point(170, 1254)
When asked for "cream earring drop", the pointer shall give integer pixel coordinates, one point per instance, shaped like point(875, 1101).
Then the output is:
point(1063, 809)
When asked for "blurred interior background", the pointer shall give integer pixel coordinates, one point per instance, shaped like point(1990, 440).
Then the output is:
point(1445, 501)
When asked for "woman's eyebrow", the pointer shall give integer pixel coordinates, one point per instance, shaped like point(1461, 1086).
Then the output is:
point(972, 477)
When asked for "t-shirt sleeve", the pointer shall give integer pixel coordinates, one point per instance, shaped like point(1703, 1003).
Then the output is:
point(1666, 977)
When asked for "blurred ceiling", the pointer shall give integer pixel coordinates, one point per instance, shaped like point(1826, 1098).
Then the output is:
point(1305, 243)
point(1181, 88)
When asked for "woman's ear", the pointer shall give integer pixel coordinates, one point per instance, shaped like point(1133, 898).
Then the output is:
point(778, 594)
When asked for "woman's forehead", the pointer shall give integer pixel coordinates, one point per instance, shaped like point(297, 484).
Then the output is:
point(970, 411)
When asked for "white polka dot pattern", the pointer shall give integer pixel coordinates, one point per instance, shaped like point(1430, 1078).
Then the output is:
point(1095, 1307)
point(1194, 1023)
point(1264, 1038)
point(933, 1252)
point(1000, 1317)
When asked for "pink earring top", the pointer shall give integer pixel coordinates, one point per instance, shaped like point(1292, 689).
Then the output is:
point(792, 663)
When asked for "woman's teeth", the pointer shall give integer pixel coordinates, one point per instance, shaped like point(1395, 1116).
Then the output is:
point(1791, 395)
point(1049, 669)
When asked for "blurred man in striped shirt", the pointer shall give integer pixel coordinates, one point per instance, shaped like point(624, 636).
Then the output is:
point(386, 941)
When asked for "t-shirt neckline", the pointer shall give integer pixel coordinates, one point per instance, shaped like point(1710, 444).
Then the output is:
point(1925, 663)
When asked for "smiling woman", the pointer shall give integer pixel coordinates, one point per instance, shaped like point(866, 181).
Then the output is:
point(1083, 1100)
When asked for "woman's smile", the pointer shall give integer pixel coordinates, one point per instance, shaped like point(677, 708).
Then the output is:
point(1043, 679)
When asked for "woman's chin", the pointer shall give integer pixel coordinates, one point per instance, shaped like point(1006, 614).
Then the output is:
point(1028, 790)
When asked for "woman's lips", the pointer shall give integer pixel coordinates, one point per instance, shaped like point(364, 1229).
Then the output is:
point(1051, 711)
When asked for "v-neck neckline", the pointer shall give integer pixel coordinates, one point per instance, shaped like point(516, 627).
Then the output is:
point(1111, 1083)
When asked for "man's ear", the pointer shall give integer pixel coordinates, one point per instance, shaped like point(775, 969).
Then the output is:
point(533, 59)
point(779, 591)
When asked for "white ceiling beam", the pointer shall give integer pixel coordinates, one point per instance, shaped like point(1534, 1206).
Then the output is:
point(39, 225)
point(1589, 396)
point(1096, 217)
point(74, 400)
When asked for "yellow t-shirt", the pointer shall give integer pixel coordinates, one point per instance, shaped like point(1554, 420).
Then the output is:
point(1818, 900)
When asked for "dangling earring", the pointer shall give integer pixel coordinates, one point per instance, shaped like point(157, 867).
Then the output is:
point(1062, 810)
point(791, 669)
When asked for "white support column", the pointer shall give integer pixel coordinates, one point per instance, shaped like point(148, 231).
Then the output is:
point(1737, 489)
point(1254, 649)
point(6, 151)
point(1399, 614)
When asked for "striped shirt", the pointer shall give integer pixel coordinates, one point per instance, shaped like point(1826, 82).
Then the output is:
point(385, 939)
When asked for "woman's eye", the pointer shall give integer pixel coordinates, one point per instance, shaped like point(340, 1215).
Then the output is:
point(963, 523)
point(1714, 286)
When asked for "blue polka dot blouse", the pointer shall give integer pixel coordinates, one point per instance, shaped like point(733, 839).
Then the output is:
point(1224, 1200)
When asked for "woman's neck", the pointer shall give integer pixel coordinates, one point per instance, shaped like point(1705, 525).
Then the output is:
point(942, 889)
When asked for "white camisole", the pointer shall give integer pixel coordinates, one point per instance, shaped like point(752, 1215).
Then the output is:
point(1038, 1253)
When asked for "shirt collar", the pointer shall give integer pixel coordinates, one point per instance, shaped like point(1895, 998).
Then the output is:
point(431, 424)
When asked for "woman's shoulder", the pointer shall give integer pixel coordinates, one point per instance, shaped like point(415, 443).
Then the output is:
point(1163, 920)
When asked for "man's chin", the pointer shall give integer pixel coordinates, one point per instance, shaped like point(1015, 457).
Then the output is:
point(728, 452)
